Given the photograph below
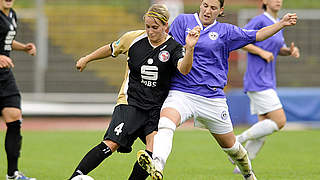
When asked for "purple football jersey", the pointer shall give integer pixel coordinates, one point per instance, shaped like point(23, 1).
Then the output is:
point(208, 75)
point(261, 75)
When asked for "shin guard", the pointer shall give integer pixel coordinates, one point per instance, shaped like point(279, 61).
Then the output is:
point(240, 156)
point(13, 142)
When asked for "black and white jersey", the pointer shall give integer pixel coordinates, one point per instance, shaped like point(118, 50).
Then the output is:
point(149, 69)
point(8, 25)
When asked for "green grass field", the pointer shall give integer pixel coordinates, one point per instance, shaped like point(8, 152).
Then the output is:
point(287, 155)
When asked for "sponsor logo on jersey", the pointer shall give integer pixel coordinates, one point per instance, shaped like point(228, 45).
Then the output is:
point(213, 36)
point(150, 61)
point(164, 56)
point(224, 115)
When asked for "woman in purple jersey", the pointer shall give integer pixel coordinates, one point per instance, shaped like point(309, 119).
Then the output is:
point(10, 100)
point(200, 93)
point(260, 80)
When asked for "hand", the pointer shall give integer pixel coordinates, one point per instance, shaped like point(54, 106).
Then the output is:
point(5, 62)
point(289, 19)
point(268, 56)
point(192, 37)
point(31, 49)
point(294, 51)
point(81, 64)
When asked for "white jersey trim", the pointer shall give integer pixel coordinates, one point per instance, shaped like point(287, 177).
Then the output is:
point(271, 17)
point(200, 24)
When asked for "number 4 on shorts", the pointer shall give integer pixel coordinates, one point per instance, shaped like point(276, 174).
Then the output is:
point(118, 129)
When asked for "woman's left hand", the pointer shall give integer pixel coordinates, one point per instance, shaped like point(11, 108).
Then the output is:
point(31, 49)
point(193, 37)
point(294, 51)
point(289, 19)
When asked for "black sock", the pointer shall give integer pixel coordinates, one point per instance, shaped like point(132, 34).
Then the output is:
point(138, 173)
point(12, 145)
point(92, 159)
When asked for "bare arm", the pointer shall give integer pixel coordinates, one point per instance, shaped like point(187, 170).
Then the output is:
point(292, 51)
point(102, 52)
point(185, 65)
point(266, 32)
point(266, 55)
point(29, 48)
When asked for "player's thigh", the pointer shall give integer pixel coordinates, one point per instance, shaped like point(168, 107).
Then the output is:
point(178, 107)
point(263, 102)
point(126, 125)
point(213, 114)
point(277, 116)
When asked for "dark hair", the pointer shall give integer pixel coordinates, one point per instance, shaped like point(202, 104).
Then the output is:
point(264, 7)
point(221, 5)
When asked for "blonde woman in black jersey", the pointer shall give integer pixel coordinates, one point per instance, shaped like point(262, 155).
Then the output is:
point(153, 57)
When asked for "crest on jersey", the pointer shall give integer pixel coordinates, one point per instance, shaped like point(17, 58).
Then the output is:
point(213, 36)
point(224, 115)
point(164, 56)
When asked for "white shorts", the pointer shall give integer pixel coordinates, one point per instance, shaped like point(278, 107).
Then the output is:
point(209, 113)
point(262, 102)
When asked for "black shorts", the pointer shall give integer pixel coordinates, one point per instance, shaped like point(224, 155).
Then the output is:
point(9, 92)
point(128, 123)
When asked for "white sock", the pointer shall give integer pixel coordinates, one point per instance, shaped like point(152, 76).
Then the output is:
point(162, 143)
point(253, 147)
point(240, 156)
point(258, 130)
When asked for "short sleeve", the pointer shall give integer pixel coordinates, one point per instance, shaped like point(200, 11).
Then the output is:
point(254, 24)
point(179, 53)
point(177, 30)
point(238, 37)
point(122, 45)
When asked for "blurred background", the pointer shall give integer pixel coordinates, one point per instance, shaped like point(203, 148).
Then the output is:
point(66, 30)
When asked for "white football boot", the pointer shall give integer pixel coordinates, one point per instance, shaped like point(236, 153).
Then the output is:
point(147, 163)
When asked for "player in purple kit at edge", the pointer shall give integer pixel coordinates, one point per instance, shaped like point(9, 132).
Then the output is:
point(260, 80)
point(200, 93)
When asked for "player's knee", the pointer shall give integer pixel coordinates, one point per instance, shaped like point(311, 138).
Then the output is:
point(166, 123)
point(112, 145)
point(11, 114)
point(281, 123)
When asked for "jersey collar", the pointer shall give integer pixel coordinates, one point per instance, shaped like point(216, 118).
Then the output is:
point(196, 16)
point(271, 17)
point(168, 37)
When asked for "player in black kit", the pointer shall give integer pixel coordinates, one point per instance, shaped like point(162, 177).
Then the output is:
point(153, 57)
point(10, 100)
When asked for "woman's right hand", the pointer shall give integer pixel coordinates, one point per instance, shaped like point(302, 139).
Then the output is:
point(266, 55)
point(81, 64)
point(5, 62)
